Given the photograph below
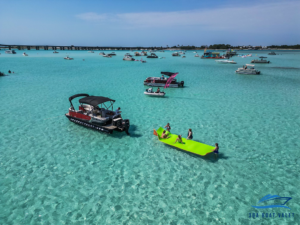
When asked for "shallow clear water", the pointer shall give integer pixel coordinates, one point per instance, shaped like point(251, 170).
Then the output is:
point(55, 172)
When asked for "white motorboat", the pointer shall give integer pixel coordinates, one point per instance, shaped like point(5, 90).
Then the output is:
point(137, 54)
point(24, 54)
point(197, 55)
point(68, 58)
point(55, 52)
point(128, 58)
point(183, 56)
point(90, 51)
point(195, 52)
point(107, 56)
point(248, 70)
point(10, 52)
point(150, 92)
point(226, 61)
point(175, 54)
point(101, 53)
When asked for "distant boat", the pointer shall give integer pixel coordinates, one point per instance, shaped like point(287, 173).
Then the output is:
point(128, 58)
point(68, 58)
point(24, 54)
point(226, 61)
point(248, 70)
point(260, 61)
point(55, 52)
point(10, 52)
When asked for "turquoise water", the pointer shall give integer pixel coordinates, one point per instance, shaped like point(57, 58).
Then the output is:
point(56, 172)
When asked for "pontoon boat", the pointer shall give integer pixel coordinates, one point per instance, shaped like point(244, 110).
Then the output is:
point(260, 61)
point(248, 70)
point(161, 81)
point(92, 116)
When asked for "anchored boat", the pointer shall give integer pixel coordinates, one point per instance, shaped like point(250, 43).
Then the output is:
point(150, 92)
point(212, 55)
point(153, 55)
point(68, 58)
point(248, 70)
point(226, 61)
point(262, 60)
point(98, 118)
point(10, 52)
point(162, 81)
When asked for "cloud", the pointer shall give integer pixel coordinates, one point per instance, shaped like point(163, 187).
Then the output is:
point(91, 16)
point(262, 17)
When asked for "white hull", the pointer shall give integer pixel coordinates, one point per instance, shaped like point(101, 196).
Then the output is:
point(161, 94)
point(25, 54)
point(248, 72)
point(225, 61)
point(128, 59)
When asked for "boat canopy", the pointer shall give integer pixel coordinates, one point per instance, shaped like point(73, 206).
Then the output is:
point(95, 100)
point(167, 73)
point(78, 95)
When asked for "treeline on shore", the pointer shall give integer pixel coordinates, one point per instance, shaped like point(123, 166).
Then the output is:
point(227, 46)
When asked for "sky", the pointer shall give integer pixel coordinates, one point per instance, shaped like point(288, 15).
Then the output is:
point(150, 22)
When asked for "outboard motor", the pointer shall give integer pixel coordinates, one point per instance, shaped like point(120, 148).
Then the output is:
point(149, 90)
point(126, 124)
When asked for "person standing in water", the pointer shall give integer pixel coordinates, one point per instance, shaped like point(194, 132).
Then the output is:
point(168, 128)
point(216, 150)
point(190, 134)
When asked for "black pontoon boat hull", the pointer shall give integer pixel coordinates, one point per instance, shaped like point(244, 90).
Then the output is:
point(96, 127)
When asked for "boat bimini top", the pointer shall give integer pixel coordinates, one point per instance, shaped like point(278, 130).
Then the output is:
point(92, 100)
point(167, 73)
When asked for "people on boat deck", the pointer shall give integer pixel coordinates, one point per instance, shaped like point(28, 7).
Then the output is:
point(190, 134)
point(245, 67)
point(164, 135)
point(168, 127)
point(158, 90)
point(118, 112)
point(179, 139)
point(9, 71)
point(162, 77)
point(216, 150)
